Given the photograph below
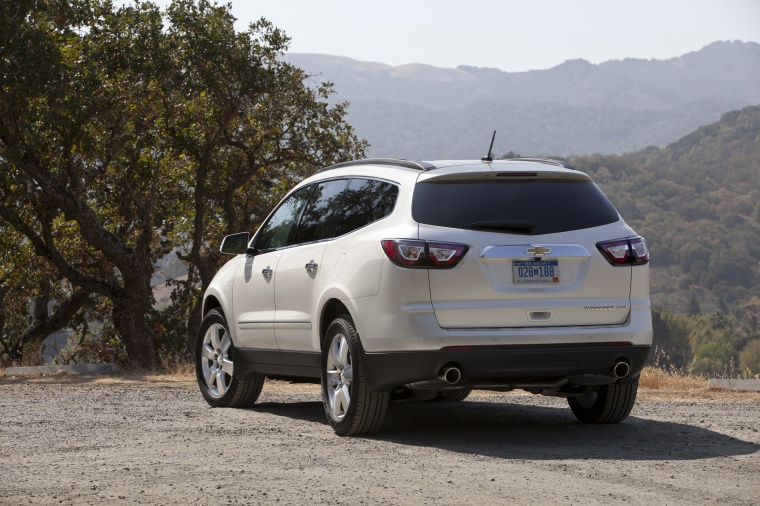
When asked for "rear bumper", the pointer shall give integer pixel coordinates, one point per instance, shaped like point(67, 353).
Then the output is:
point(487, 365)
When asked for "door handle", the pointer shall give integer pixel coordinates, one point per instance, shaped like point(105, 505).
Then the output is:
point(267, 271)
point(311, 266)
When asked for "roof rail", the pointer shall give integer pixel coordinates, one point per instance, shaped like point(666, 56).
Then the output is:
point(550, 161)
point(409, 164)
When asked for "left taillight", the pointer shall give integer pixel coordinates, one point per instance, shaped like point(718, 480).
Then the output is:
point(423, 254)
point(632, 250)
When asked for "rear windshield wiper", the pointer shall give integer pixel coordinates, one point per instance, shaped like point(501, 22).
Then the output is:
point(516, 226)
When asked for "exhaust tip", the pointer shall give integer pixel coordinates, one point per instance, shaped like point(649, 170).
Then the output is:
point(450, 374)
point(620, 369)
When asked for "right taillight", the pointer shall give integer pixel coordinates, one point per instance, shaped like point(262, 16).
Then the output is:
point(632, 250)
point(423, 254)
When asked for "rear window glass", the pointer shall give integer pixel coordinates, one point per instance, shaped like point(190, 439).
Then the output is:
point(531, 207)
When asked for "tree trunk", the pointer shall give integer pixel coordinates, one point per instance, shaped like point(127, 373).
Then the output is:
point(129, 321)
point(194, 324)
point(3, 291)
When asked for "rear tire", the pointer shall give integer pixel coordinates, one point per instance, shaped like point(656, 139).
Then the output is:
point(351, 408)
point(607, 404)
point(215, 369)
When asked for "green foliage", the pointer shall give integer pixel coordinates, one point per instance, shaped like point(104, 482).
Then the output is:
point(749, 359)
point(671, 338)
point(712, 358)
point(712, 345)
point(85, 347)
point(695, 202)
point(130, 133)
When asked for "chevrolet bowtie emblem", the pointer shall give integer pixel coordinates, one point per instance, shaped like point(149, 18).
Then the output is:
point(538, 251)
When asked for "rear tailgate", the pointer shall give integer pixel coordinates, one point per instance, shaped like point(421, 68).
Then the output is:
point(532, 258)
point(500, 283)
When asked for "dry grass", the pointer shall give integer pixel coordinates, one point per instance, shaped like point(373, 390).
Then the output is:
point(176, 365)
point(660, 385)
point(655, 385)
point(660, 379)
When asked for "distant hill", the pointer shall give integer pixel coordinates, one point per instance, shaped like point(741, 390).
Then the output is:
point(424, 112)
point(697, 202)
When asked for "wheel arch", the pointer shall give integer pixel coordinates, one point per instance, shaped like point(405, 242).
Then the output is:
point(215, 299)
point(330, 310)
point(211, 302)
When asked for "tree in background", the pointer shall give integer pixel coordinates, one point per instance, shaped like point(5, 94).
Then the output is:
point(749, 359)
point(247, 130)
point(127, 133)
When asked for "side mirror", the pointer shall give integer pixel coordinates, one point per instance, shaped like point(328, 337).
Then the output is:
point(235, 244)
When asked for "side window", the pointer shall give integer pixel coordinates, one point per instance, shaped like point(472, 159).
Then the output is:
point(319, 216)
point(365, 201)
point(275, 232)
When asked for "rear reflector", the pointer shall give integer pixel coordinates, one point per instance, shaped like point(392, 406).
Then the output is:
point(423, 254)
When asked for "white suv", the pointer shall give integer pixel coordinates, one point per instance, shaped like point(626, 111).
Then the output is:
point(390, 279)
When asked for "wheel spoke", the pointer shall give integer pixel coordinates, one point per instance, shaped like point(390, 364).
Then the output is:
point(345, 399)
point(209, 375)
point(215, 336)
point(348, 374)
point(335, 403)
point(331, 393)
point(226, 342)
point(338, 376)
point(207, 352)
point(221, 383)
point(338, 403)
point(333, 378)
point(344, 352)
point(227, 366)
point(334, 355)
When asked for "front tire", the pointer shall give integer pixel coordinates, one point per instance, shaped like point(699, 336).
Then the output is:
point(454, 395)
point(607, 404)
point(351, 408)
point(215, 369)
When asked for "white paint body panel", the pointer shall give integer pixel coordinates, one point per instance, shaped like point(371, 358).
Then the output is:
point(472, 304)
point(253, 301)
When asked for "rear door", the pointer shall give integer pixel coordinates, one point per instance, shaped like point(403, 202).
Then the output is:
point(533, 260)
point(300, 268)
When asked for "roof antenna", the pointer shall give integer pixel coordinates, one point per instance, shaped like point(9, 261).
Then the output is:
point(488, 158)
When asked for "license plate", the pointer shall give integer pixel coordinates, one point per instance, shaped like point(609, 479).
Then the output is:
point(535, 272)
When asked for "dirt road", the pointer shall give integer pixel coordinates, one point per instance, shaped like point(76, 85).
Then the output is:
point(153, 440)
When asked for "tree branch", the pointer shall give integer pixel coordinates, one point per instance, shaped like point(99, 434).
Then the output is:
point(49, 251)
point(59, 319)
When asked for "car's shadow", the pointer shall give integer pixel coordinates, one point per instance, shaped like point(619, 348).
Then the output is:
point(516, 431)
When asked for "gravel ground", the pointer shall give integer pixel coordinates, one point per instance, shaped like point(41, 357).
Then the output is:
point(153, 440)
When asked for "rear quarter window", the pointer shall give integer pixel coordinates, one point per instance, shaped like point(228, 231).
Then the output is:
point(552, 206)
point(365, 201)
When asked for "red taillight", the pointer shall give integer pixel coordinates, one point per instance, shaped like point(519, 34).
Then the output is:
point(424, 254)
point(625, 251)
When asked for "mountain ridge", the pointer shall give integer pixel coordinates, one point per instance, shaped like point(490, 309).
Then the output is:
point(653, 102)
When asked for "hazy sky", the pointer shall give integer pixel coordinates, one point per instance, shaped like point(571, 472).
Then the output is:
point(511, 35)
